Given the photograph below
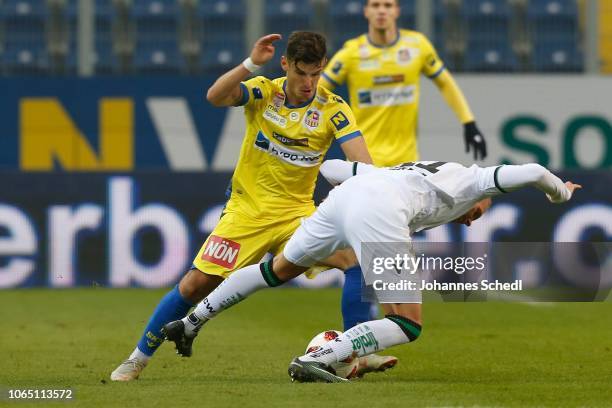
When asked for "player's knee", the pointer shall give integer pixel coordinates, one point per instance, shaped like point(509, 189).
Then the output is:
point(189, 289)
point(196, 285)
point(342, 259)
point(411, 329)
point(349, 259)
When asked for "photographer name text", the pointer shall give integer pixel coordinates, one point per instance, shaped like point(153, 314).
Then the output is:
point(434, 285)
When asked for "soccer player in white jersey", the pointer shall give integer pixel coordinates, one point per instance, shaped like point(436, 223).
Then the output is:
point(382, 69)
point(393, 204)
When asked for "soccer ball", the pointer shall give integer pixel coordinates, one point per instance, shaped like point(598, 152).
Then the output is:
point(345, 369)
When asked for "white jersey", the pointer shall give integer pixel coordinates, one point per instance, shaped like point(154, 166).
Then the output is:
point(382, 207)
point(435, 192)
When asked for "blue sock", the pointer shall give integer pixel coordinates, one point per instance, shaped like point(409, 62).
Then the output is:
point(172, 307)
point(354, 311)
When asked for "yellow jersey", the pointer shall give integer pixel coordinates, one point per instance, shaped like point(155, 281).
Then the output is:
point(383, 84)
point(283, 148)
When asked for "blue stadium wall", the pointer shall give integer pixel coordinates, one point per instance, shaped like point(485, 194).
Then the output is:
point(96, 192)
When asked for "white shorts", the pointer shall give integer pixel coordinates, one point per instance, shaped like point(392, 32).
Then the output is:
point(356, 214)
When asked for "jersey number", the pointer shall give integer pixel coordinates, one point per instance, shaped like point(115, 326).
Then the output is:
point(432, 168)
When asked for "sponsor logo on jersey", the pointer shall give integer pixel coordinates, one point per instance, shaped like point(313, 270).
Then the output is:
point(312, 118)
point(294, 157)
point(272, 116)
point(262, 142)
point(340, 121)
point(289, 141)
point(278, 100)
point(388, 79)
point(369, 64)
point(221, 251)
point(364, 51)
point(294, 116)
point(398, 95)
point(405, 55)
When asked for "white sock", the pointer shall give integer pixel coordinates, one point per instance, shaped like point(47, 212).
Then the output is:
point(139, 355)
point(363, 339)
point(237, 287)
point(192, 324)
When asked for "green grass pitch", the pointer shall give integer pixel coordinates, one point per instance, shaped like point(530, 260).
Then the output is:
point(476, 354)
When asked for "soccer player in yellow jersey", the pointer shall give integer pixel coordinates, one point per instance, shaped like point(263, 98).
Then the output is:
point(291, 123)
point(382, 69)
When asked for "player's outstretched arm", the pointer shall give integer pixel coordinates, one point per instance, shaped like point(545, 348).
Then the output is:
point(473, 137)
point(226, 90)
point(510, 178)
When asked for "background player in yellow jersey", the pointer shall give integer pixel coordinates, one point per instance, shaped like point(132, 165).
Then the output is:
point(382, 69)
point(291, 122)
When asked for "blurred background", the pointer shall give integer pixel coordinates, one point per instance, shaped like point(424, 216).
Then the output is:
point(194, 37)
point(113, 166)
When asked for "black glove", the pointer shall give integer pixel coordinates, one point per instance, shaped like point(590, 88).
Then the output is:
point(474, 139)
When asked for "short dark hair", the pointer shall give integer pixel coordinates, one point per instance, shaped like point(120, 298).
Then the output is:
point(307, 47)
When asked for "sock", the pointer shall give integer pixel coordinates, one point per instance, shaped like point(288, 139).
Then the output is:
point(354, 310)
point(237, 287)
point(172, 307)
point(139, 355)
point(366, 338)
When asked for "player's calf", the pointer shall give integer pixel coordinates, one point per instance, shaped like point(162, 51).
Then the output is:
point(410, 328)
point(196, 285)
point(233, 290)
